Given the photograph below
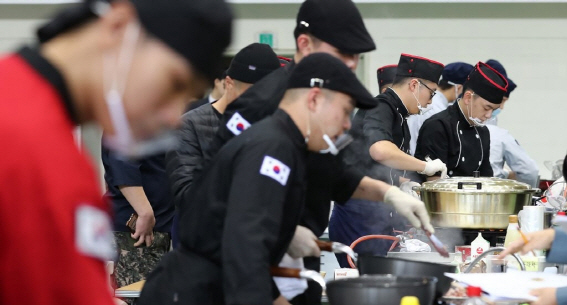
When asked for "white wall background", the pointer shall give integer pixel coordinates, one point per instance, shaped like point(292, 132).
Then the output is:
point(529, 39)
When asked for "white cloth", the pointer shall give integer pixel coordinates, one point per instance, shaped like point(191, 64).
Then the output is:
point(211, 99)
point(291, 287)
point(505, 149)
point(438, 104)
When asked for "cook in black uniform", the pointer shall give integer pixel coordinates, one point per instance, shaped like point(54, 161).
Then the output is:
point(385, 76)
point(246, 205)
point(457, 135)
point(334, 27)
point(382, 152)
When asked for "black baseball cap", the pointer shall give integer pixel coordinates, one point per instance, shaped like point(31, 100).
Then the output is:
point(199, 30)
point(386, 74)
point(500, 68)
point(253, 62)
point(325, 71)
point(337, 22)
point(419, 67)
point(457, 72)
point(487, 83)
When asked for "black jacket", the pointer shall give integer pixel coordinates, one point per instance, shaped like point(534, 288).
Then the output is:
point(240, 218)
point(386, 122)
point(463, 148)
point(198, 127)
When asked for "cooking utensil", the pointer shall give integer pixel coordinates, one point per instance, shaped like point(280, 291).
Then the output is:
point(299, 274)
point(370, 264)
point(437, 244)
point(336, 247)
point(381, 289)
point(431, 257)
point(474, 203)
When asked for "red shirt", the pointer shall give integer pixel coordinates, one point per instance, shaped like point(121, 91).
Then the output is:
point(48, 194)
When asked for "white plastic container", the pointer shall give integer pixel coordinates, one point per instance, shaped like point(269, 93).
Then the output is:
point(512, 233)
point(478, 246)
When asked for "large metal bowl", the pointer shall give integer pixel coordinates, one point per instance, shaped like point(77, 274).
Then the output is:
point(474, 203)
point(380, 289)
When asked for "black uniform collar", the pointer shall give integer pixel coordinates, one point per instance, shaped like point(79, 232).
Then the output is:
point(458, 113)
point(290, 127)
point(52, 75)
point(397, 102)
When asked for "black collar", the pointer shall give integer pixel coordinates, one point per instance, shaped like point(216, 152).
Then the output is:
point(395, 100)
point(290, 127)
point(52, 75)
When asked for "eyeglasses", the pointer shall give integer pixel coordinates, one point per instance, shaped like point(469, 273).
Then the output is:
point(433, 92)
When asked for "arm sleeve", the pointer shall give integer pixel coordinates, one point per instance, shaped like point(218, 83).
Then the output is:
point(485, 167)
point(433, 141)
point(561, 296)
point(558, 248)
point(181, 162)
point(377, 124)
point(519, 161)
point(348, 179)
point(252, 225)
point(120, 170)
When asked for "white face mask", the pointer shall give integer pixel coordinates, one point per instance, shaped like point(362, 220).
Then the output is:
point(334, 147)
point(115, 78)
point(476, 121)
point(421, 109)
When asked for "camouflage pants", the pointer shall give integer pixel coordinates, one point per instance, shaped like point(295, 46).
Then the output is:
point(135, 263)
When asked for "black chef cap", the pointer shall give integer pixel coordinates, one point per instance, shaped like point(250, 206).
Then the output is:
point(337, 22)
point(325, 71)
point(487, 83)
point(386, 74)
point(199, 30)
point(253, 62)
point(457, 72)
point(419, 67)
point(500, 68)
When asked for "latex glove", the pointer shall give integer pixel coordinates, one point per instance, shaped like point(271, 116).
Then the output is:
point(409, 207)
point(536, 241)
point(303, 244)
point(434, 166)
point(407, 187)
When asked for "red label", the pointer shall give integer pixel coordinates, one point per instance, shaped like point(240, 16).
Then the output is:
point(479, 250)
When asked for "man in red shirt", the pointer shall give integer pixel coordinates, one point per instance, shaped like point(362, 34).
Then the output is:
point(129, 66)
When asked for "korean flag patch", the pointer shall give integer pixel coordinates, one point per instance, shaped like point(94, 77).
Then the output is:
point(275, 169)
point(237, 124)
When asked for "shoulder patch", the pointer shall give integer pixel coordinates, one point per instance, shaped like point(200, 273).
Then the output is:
point(275, 169)
point(93, 233)
point(237, 124)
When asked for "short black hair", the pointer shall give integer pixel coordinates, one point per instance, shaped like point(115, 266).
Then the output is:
point(444, 84)
point(303, 30)
point(380, 88)
point(400, 80)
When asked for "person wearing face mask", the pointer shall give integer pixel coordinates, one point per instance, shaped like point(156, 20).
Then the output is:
point(55, 225)
point(496, 65)
point(385, 76)
point(457, 135)
point(381, 150)
point(507, 158)
point(199, 126)
point(334, 27)
point(247, 203)
point(450, 86)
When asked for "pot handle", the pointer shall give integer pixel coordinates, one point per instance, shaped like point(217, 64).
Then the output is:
point(324, 245)
point(285, 272)
point(478, 185)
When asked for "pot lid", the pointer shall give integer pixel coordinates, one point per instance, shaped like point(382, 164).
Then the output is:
point(477, 185)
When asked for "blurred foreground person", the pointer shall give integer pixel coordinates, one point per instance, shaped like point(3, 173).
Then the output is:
point(116, 64)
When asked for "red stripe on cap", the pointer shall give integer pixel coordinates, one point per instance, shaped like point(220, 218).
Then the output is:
point(505, 88)
point(284, 58)
point(429, 60)
point(388, 66)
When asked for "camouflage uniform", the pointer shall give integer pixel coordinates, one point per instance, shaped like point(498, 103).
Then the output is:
point(135, 263)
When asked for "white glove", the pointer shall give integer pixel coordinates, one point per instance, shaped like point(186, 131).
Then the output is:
point(409, 207)
point(407, 187)
point(303, 244)
point(434, 166)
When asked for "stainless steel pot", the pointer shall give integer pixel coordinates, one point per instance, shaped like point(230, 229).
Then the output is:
point(380, 289)
point(370, 264)
point(474, 202)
